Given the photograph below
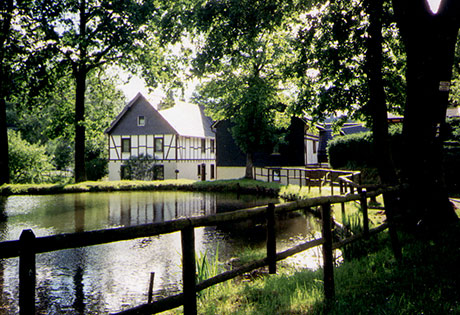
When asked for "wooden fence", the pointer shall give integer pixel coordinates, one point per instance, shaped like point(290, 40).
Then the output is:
point(309, 177)
point(28, 246)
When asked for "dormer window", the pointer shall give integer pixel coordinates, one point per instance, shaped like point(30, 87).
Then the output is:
point(140, 121)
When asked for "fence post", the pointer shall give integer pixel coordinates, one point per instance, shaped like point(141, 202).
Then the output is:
point(27, 272)
point(328, 263)
point(320, 182)
point(332, 184)
point(363, 201)
point(189, 270)
point(150, 292)
point(271, 239)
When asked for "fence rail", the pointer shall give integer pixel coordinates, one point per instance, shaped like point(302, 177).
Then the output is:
point(309, 177)
point(28, 246)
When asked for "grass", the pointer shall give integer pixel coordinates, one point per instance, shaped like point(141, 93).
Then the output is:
point(242, 186)
point(425, 282)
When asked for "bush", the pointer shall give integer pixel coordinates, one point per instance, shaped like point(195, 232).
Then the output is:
point(142, 167)
point(96, 164)
point(355, 151)
point(28, 163)
point(62, 152)
point(351, 151)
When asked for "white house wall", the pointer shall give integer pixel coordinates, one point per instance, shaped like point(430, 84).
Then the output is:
point(183, 154)
point(311, 150)
point(230, 172)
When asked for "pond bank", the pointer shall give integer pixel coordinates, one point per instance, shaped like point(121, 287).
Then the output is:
point(242, 186)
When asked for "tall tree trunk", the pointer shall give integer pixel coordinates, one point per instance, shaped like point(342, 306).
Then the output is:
point(379, 113)
point(80, 72)
point(249, 165)
point(80, 130)
point(430, 46)
point(7, 8)
point(377, 98)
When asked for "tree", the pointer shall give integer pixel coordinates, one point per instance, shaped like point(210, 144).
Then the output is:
point(332, 67)
point(6, 10)
point(429, 41)
point(89, 34)
point(246, 48)
point(51, 123)
point(23, 66)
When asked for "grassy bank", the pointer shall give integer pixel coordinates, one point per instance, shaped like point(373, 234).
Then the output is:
point(241, 186)
point(425, 282)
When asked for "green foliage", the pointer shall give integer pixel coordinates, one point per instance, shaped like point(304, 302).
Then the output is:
point(356, 150)
point(453, 129)
point(353, 150)
point(29, 163)
point(331, 64)
point(96, 163)
point(140, 167)
point(244, 59)
point(62, 152)
point(207, 267)
point(52, 123)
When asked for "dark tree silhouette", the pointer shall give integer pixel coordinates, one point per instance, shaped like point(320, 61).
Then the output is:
point(429, 41)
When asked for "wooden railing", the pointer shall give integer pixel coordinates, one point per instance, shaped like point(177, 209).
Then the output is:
point(28, 246)
point(309, 177)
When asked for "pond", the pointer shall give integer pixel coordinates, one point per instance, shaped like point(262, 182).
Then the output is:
point(112, 277)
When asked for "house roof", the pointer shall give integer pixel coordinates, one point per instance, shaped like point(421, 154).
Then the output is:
point(348, 130)
point(183, 118)
point(188, 120)
point(126, 122)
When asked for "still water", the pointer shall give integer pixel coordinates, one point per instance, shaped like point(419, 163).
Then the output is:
point(112, 277)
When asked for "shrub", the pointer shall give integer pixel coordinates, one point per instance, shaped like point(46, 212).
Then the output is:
point(142, 167)
point(355, 151)
point(96, 164)
point(351, 151)
point(28, 162)
point(62, 152)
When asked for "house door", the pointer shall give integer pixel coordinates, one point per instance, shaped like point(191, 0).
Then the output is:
point(203, 172)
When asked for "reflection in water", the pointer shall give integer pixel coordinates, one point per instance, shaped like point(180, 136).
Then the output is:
point(3, 200)
point(111, 277)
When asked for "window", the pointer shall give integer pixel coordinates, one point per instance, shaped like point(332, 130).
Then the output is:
point(141, 121)
point(199, 170)
point(158, 145)
point(203, 145)
point(276, 175)
point(126, 145)
point(314, 146)
point(212, 146)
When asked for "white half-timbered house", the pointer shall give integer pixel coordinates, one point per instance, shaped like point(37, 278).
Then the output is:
point(179, 139)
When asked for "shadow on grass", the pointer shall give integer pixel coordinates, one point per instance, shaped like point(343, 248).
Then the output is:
point(427, 281)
